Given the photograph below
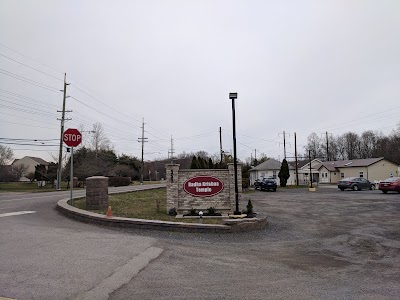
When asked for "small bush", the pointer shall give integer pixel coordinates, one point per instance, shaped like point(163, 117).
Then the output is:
point(192, 212)
point(245, 183)
point(119, 181)
point(211, 211)
point(172, 212)
point(249, 207)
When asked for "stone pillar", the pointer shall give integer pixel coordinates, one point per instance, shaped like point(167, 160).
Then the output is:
point(231, 179)
point(96, 193)
point(75, 182)
point(172, 185)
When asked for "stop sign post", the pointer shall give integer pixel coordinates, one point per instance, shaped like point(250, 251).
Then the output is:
point(72, 138)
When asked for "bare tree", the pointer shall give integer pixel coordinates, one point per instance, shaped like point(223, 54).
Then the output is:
point(99, 141)
point(6, 155)
point(352, 142)
point(314, 146)
point(368, 143)
point(19, 170)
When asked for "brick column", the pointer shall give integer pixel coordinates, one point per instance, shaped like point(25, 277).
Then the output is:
point(232, 199)
point(172, 185)
point(97, 193)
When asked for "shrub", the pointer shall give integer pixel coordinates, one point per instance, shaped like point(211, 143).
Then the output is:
point(245, 183)
point(119, 181)
point(249, 207)
point(192, 212)
point(211, 211)
point(172, 212)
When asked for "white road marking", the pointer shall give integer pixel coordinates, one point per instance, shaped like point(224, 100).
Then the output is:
point(121, 276)
point(30, 198)
point(16, 213)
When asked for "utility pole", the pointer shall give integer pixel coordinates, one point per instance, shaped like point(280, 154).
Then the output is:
point(62, 132)
point(284, 143)
point(220, 143)
point(142, 140)
point(172, 150)
point(295, 158)
point(309, 159)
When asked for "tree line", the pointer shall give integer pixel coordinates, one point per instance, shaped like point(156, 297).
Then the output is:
point(351, 145)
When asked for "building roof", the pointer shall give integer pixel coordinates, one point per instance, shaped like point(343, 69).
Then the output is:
point(270, 164)
point(348, 163)
point(39, 160)
point(300, 163)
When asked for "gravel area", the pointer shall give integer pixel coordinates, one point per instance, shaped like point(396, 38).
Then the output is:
point(323, 245)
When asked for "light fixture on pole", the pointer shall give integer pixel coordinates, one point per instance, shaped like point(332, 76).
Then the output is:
point(233, 96)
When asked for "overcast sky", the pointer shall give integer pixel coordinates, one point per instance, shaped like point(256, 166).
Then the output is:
point(297, 66)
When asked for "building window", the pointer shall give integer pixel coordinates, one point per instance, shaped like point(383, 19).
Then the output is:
point(326, 175)
point(361, 174)
point(274, 174)
point(341, 175)
point(323, 175)
point(334, 173)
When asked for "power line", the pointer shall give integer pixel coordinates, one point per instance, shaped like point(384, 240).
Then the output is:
point(29, 125)
point(130, 117)
point(31, 58)
point(29, 67)
point(27, 80)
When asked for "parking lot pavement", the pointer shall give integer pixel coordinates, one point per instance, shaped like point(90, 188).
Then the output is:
point(326, 244)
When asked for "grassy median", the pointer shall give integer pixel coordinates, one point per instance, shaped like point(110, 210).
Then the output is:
point(142, 205)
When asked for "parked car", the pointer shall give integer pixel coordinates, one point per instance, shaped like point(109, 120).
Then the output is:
point(268, 184)
point(355, 183)
point(390, 184)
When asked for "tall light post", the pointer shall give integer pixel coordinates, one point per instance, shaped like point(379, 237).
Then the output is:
point(233, 96)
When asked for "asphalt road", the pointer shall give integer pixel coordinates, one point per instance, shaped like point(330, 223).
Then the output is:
point(44, 255)
point(323, 245)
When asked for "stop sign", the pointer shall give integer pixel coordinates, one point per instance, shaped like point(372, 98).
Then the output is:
point(72, 137)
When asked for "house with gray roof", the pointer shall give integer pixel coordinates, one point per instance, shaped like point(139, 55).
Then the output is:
point(270, 169)
point(30, 162)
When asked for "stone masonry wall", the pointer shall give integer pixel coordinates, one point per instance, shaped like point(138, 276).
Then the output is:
point(96, 193)
point(183, 202)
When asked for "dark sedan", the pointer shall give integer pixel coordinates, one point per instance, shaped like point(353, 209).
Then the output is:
point(355, 183)
point(390, 184)
point(268, 184)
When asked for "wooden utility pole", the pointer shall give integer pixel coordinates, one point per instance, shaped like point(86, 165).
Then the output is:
point(220, 144)
point(284, 143)
point(172, 150)
point(61, 133)
point(327, 146)
point(295, 158)
point(142, 140)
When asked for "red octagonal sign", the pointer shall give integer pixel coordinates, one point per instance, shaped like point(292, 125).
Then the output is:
point(72, 137)
point(203, 186)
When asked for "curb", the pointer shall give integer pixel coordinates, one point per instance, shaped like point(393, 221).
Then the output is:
point(94, 218)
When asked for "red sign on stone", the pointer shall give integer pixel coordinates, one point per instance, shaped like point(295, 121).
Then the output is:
point(72, 137)
point(203, 186)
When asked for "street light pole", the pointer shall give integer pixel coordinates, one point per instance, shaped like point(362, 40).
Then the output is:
point(233, 96)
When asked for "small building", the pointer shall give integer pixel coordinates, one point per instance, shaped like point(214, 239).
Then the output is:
point(373, 169)
point(30, 162)
point(270, 169)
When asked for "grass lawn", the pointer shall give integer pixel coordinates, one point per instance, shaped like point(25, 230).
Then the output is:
point(29, 187)
point(142, 205)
